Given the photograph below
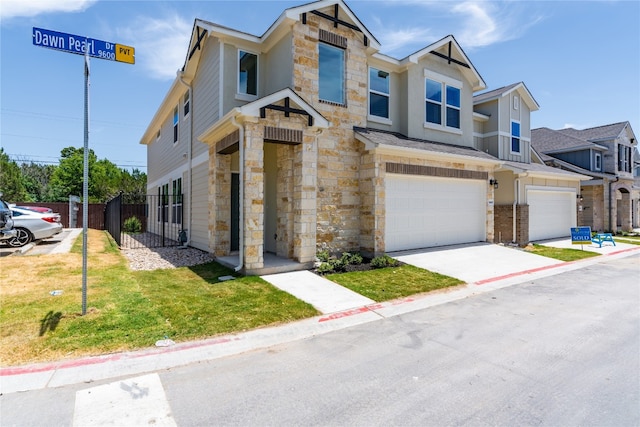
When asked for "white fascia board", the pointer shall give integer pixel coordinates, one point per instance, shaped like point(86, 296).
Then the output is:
point(424, 154)
point(252, 109)
point(524, 92)
point(219, 129)
point(172, 97)
point(480, 117)
point(549, 174)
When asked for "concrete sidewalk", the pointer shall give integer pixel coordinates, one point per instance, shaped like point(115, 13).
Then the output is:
point(325, 295)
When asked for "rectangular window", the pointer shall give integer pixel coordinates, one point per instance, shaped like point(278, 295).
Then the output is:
point(163, 203)
point(434, 102)
point(598, 159)
point(378, 93)
point(515, 137)
point(247, 73)
point(331, 73)
point(185, 104)
point(453, 107)
point(442, 100)
point(176, 115)
point(176, 202)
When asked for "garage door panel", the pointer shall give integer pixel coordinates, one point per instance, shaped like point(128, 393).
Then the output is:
point(428, 211)
point(551, 213)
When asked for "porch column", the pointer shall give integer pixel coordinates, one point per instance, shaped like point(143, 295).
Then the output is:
point(305, 198)
point(253, 206)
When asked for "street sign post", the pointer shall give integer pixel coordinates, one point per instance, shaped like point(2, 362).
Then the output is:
point(87, 47)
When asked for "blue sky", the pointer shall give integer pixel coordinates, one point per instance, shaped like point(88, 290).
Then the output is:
point(579, 59)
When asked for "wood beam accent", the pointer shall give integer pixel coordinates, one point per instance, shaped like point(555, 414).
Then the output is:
point(197, 45)
point(286, 109)
point(336, 21)
point(449, 58)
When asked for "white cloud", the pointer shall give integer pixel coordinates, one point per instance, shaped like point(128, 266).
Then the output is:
point(30, 8)
point(473, 23)
point(161, 43)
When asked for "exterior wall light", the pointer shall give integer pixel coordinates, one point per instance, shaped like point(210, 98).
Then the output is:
point(579, 197)
point(494, 182)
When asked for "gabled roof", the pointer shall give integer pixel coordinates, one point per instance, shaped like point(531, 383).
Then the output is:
point(454, 54)
point(385, 139)
point(599, 133)
point(223, 126)
point(546, 141)
point(519, 87)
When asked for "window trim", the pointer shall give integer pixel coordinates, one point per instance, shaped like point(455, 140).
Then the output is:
point(244, 96)
point(343, 83)
point(445, 81)
point(516, 102)
point(512, 138)
point(375, 117)
point(176, 200)
point(597, 162)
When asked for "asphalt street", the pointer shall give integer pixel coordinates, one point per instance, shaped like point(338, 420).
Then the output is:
point(558, 350)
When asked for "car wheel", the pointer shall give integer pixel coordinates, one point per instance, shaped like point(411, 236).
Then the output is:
point(22, 238)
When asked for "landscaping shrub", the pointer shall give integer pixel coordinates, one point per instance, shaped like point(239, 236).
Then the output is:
point(384, 261)
point(132, 225)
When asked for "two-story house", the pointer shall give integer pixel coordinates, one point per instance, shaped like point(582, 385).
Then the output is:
point(608, 201)
point(308, 138)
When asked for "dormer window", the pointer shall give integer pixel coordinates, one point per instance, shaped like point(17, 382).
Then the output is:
point(598, 161)
point(515, 138)
point(247, 73)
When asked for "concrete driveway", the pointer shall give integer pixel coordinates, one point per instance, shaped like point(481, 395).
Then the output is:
point(475, 262)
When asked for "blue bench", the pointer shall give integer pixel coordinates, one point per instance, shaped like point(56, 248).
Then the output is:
point(600, 238)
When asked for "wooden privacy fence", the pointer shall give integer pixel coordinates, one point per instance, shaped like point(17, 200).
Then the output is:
point(95, 213)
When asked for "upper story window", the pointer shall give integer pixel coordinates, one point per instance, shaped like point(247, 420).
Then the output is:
point(442, 102)
point(378, 93)
point(624, 158)
point(331, 73)
point(598, 161)
point(186, 104)
point(247, 73)
point(176, 115)
point(515, 138)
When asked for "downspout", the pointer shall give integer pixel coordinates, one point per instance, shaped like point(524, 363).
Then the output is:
point(611, 204)
point(241, 196)
point(189, 156)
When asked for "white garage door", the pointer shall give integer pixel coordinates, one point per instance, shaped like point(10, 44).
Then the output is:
point(423, 211)
point(551, 213)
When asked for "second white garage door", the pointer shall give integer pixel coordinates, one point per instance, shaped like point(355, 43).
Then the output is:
point(551, 213)
point(424, 212)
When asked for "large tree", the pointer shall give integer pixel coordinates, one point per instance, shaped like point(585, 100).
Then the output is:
point(36, 178)
point(11, 184)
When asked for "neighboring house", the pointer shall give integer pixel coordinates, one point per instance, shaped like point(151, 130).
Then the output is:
point(609, 200)
point(533, 201)
point(307, 138)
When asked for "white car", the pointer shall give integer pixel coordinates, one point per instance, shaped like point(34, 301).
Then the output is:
point(31, 225)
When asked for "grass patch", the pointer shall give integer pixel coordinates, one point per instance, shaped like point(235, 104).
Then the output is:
point(126, 309)
point(393, 282)
point(560, 253)
point(633, 240)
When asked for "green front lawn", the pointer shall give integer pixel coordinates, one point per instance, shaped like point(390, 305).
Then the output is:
point(126, 309)
point(560, 253)
point(393, 282)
